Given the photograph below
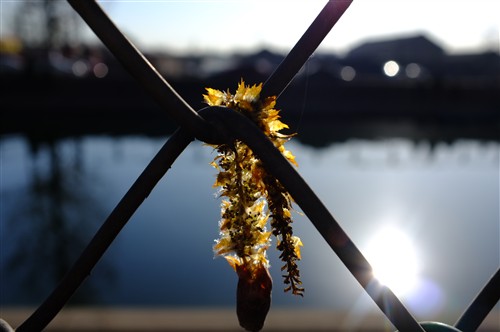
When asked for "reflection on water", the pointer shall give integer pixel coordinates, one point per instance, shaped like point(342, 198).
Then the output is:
point(444, 197)
point(50, 219)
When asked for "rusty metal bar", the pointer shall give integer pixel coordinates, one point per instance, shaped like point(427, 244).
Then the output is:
point(244, 129)
point(140, 68)
point(307, 44)
point(484, 302)
point(127, 206)
point(220, 123)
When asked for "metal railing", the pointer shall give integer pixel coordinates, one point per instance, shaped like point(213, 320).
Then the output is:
point(218, 125)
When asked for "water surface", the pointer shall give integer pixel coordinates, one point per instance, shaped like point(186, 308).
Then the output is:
point(444, 197)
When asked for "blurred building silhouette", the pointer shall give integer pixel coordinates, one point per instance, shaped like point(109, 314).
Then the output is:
point(84, 89)
point(417, 48)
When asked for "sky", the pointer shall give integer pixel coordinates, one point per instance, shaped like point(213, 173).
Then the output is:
point(239, 25)
point(208, 26)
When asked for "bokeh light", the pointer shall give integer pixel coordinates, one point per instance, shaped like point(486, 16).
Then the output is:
point(391, 68)
point(348, 73)
point(413, 70)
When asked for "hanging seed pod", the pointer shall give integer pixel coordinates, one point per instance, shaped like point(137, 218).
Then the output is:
point(253, 297)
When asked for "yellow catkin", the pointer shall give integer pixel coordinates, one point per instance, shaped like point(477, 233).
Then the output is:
point(251, 196)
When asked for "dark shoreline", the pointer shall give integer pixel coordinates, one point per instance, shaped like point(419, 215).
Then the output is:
point(48, 108)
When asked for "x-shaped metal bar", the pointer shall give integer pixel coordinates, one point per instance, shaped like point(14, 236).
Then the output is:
point(217, 125)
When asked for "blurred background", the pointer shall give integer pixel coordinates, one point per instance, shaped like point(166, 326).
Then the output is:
point(397, 116)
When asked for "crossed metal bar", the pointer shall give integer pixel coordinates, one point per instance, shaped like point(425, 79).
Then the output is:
point(218, 125)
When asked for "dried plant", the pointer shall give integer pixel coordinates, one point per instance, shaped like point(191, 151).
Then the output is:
point(252, 196)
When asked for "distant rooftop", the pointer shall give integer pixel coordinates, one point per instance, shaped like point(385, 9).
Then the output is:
point(417, 48)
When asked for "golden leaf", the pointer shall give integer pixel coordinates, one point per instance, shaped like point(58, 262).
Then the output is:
point(291, 158)
point(264, 238)
point(252, 94)
point(262, 222)
point(214, 97)
point(234, 261)
point(277, 125)
point(223, 178)
point(297, 243)
point(269, 103)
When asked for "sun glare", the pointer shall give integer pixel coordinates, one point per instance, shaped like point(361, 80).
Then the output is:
point(394, 260)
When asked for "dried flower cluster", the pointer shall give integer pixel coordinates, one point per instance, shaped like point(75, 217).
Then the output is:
point(252, 195)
